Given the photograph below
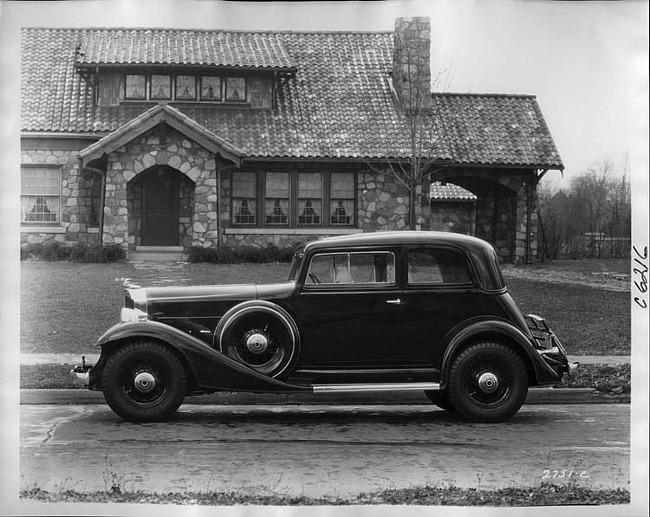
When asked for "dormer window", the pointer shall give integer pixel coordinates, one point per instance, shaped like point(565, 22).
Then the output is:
point(210, 88)
point(253, 90)
point(235, 89)
point(186, 87)
point(135, 87)
point(161, 87)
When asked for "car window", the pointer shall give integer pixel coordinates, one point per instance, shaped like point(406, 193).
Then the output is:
point(437, 266)
point(352, 268)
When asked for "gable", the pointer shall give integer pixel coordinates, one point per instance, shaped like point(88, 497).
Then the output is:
point(149, 119)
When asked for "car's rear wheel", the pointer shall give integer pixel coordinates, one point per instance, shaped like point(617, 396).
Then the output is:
point(144, 381)
point(260, 335)
point(488, 382)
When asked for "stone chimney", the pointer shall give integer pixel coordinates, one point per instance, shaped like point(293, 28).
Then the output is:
point(412, 62)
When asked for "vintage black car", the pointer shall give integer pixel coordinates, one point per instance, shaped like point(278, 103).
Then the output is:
point(375, 312)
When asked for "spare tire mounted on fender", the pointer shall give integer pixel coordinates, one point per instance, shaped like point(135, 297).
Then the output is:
point(261, 335)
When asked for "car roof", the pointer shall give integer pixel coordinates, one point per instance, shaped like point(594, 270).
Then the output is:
point(399, 238)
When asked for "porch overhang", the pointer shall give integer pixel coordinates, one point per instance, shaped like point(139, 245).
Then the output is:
point(150, 119)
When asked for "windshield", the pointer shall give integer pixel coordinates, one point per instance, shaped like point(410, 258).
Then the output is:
point(296, 262)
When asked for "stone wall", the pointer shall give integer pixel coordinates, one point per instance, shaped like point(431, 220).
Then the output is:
point(453, 216)
point(383, 203)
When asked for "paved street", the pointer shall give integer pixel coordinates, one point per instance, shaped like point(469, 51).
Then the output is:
point(321, 450)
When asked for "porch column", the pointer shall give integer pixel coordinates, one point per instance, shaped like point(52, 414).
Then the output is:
point(205, 225)
point(116, 220)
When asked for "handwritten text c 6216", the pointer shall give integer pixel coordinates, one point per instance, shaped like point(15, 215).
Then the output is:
point(640, 270)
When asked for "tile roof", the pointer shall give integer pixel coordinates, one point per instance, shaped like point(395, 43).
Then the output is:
point(450, 192)
point(500, 129)
point(181, 47)
point(339, 104)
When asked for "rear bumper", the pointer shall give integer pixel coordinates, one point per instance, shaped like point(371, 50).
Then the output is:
point(549, 347)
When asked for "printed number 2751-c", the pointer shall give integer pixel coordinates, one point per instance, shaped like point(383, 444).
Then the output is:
point(562, 474)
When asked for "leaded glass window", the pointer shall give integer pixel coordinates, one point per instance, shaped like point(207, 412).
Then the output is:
point(210, 88)
point(40, 195)
point(185, 87)
point(135, 87)
point(244, 192)
point(342, 199)
point(161, 87)
point(276, 204)
point(310, 197)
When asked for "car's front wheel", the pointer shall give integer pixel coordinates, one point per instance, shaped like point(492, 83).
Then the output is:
point(488, 382)
point(144, 381)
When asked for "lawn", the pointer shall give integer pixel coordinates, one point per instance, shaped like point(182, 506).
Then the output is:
point(65, 307)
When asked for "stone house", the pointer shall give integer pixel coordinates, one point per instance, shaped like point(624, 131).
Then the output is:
point(177, 138)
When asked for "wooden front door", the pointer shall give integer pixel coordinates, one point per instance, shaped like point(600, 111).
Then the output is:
point(160, 207)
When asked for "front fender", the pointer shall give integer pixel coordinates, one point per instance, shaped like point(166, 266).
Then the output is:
point(211, 369)
point(494, 329)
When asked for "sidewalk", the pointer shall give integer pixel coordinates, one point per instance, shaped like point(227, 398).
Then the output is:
point(92, 358)
point(83, 396)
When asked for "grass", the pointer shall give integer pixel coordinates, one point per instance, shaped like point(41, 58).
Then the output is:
point(65, 307)
point(543, 495)
point(588, 321)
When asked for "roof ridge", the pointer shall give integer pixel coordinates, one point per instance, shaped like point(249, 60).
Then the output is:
point(178, 29)
point(465, 94)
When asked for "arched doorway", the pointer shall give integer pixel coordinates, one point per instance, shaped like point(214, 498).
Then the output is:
point(160, 205)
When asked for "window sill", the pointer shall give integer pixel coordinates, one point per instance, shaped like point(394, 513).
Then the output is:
point(42, 229)
point(292, 231)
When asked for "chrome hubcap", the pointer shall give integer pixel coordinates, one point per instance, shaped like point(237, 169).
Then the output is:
point(144, 382)
point(257, 343)
point(488, 382)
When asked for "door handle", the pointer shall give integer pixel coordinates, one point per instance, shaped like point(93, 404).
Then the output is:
point(394, 302)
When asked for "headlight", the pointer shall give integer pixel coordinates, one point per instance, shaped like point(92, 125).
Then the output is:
point(127, 315)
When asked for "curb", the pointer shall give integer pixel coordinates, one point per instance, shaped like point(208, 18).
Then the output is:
point(535, 396)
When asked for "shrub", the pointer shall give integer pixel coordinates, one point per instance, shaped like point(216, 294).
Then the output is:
point(241, 254)
point(57, 251)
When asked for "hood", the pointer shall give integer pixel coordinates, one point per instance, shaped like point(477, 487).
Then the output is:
point(205, 300)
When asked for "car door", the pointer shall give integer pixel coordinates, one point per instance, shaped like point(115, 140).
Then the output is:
point(438, 295)
point(349, 310)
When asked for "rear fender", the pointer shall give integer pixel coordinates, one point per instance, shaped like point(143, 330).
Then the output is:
point(495, 329)
point(210, 369)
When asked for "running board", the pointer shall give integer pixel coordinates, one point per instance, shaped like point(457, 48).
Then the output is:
point(366, 388)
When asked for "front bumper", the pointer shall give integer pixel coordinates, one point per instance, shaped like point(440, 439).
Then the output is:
point(80, 374)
